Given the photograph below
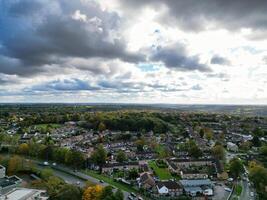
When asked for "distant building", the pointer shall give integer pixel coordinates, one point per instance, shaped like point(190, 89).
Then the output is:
point(24, 194)
point(232, 147)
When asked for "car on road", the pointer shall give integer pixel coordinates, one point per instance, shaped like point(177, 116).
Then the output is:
point(133, 194)
point(252, 194)
point(46, 163)
point(78, 183)
point(101, 181)
point(130, 198)
point(227, 189)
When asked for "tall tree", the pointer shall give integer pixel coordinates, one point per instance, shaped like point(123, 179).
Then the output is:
point(218, 152)
point(236, 167)
point(99, 156)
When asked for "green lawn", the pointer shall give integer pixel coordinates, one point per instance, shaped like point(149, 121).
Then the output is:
point(238, 190)
point(162, 173)
point(110, 181)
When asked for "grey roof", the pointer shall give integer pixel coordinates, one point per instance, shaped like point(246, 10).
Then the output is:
point(193, 189)
point(168, 184)
point(8, 181)
point(197, 182)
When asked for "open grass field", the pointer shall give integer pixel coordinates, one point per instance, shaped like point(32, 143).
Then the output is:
point(161, 173)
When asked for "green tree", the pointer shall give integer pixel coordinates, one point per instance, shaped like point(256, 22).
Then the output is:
point(140, 144)
point(121, 157)
point(263, 150)
point(46, 173)
point(99, 156)
point(107, 193)
point(101, 127)
point(119, 195)
point(236, 167)
point(69, 192)
point(258, 175)
point(23, 149)
point(201, 132)
point(218, 152)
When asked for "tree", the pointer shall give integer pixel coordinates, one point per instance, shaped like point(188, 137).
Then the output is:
point(46, 173)
point(77, 159)
point(119, 195)
point(195, 152)
point(107, 192)
point(15, 165)
point(218, 152)
point(99, 156)
point(263, 150)
point(236, 167)
point(69, 192)
point(140, 144)
point(245, 145)
point(258, 175)
point(101, 127)
point(208, 134)
point(53, 185)
point(34, 148)
point(93, 193)
point(256, 141)
point(133, 174)
point(121, 157)
point(23, 149)
point(201, 132)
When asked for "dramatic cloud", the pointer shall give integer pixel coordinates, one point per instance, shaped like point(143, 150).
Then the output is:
point(48, 32)
point(199, 15)
point(152, 51)
point(175, 56)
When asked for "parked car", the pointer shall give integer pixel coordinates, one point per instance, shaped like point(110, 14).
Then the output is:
point(227, 189)
point(133, 194)
point(252, 194)
point(46, 163)
point(54, 164)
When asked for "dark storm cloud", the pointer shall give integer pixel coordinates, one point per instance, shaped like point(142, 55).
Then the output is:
point(194, 15)
point(176, 57)
point(37, 33)
point(219, 60)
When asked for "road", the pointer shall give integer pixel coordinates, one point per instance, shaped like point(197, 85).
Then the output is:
point(71, 177)
point(246, 190)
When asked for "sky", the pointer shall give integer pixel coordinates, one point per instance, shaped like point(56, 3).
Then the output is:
point(134, 51)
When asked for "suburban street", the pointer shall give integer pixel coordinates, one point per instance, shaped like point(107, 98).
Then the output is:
point(71, 177)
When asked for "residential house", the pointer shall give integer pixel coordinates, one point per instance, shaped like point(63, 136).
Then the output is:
point(232, 147)
point(146, 181)
point(171, 188)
